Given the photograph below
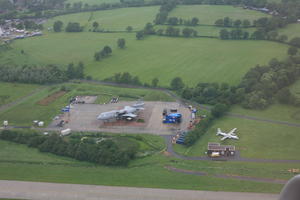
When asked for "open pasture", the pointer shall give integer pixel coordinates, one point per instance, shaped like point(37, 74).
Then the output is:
point(194, 59)
point(257, 139)
point(10, 92)
point(31, 110)
point(208, 14)
point(111, 20)
point(291, 30)
point(61, 48)
point(151, 168)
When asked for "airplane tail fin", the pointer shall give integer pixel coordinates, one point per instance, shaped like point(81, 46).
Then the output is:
point(219, 131)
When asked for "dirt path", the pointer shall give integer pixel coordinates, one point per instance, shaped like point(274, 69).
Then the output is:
point(227, 176)
point(57, 191)
point(21, 100)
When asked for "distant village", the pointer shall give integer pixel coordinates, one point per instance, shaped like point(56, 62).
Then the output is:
point(9, 31)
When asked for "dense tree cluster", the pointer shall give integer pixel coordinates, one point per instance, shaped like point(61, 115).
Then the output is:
point(74, 27)
point(165, 8)
point(105, 152)
point(125, 78)
point(199, 131)
point(32, 74)
point(41, 74)
point(57, 26)
point(106, 51)
point(262, 83)
point(121, 43)
point(213, 93)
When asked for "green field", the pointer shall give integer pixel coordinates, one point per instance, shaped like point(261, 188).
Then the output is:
point(10, 92)
point(292, 30)
point(208, 14)
point(144, 172)
point(112, 20)
point(195, 59)
point(32, 111)
point(257, 139)
point(92, 2)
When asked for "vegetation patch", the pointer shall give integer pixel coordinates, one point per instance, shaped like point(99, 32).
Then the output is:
point(51, 98)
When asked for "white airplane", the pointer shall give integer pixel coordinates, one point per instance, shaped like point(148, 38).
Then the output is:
point(128, 112)
point(230, 135)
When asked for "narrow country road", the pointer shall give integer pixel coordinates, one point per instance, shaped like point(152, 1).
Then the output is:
point(58, 191)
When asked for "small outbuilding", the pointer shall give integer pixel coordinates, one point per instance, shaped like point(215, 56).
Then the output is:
point(222, 150)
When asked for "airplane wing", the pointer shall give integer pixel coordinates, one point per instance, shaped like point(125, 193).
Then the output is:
point(129, 115)
point(224, 138)
point(232, 131)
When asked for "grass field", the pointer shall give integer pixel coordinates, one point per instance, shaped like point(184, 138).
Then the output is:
point(257, 139)
point(292, 30)
point(208, 14)
point(32, 111)
point(195, 60)
point(10, 92)
point(113, 20)
point(145, 172)
point(92, 2)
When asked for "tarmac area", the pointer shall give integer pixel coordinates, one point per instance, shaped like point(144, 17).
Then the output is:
point(58, 191)
point(83, 117)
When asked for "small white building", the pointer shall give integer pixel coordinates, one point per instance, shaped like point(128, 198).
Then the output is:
point(1, 32)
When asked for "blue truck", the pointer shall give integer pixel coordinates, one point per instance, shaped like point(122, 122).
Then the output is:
point(172, 118)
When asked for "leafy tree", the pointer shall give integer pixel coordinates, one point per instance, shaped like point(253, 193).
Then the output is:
point(74, 27)
point(97, 56)
point(57, 26)
point(219, 110)
point(139, 35)
point(95, 25)
point(121, 43)
point(292, 51)
point(295, 42)
point(160, 32)
point(237, 23)
point(177, 84)
point(149, 29)
point(284, 96)
point(129, 28)
point(107, 50)
point(155, 82)
point(246, 23)
point(219, 22)
point(224, 34)
point(282, 38)
point(173, 21)
point(194, 21)
point(187, 32)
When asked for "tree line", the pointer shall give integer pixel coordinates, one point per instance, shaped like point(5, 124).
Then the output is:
point(169, 31)
point(179, 21)
point(41, 74)
point(259, 88)
point(105, 152)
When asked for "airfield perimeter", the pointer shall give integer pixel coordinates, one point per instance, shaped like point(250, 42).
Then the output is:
point(83, 117)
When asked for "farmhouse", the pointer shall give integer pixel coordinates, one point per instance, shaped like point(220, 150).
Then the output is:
point(223, 150)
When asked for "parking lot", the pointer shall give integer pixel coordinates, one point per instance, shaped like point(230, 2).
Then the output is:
point(83, 117)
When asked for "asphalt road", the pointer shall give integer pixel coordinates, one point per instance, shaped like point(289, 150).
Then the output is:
point(57, 191)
